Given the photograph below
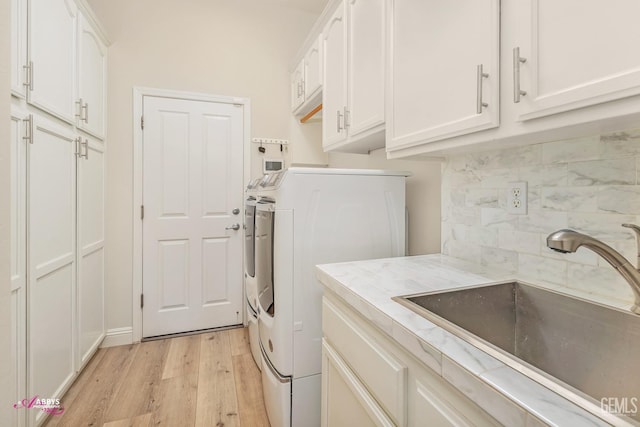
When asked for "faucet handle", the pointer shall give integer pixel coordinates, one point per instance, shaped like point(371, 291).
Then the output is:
point(637, 230)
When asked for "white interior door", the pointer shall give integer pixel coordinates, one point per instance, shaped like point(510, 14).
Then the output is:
point(192, 183)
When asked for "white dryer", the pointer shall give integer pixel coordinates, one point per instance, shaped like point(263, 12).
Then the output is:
point(305, 217)
point(250, 285)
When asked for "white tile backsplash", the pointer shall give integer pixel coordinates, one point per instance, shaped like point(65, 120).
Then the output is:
point(590, 184)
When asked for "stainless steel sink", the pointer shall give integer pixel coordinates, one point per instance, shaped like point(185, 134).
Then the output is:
point(591, 348)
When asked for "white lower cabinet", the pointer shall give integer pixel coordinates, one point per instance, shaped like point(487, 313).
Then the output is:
point(345, 400)
point(18, 215)
point(51, 205)
point(368, 380)
point(57, 257)
point(91, 241)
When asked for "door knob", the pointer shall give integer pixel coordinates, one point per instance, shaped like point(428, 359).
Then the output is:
point(236, 211)
point(233, 227)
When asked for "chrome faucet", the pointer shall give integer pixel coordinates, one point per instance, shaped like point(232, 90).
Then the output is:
point(566, 241)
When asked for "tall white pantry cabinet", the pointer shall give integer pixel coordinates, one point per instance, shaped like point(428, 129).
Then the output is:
point(57, 196)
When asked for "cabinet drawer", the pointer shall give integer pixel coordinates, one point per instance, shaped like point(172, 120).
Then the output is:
point(380, 371)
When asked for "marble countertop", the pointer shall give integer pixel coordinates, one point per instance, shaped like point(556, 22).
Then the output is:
point(507, 394)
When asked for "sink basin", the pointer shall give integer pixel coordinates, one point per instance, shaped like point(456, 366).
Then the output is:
point(591, 351)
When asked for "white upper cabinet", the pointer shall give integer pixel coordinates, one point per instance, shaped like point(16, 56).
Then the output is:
point(575, 54)
point(313, 70)
point(18, 47)
point(353, 94)
point(297, 86)
point(92, 57)
point(366, 64)
point(334, 95)
point(443, 69)
point(306, 80)
point(52, 30)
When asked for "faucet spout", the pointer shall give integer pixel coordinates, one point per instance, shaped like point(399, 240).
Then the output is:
point(567, 241)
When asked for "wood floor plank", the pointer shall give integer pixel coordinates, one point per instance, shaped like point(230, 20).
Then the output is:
point(69, 398)
point(239, 341)
point(183, 357)
point(139, 421)
point(216, 401)
point(249, 392)
point(203, 385)
point(92, 401)
point(139, 390)
point(176, 404)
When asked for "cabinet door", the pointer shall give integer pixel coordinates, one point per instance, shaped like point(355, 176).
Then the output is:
point(434, 402)
point(18, 46)
point(345, 400)
point(313, 70)
point(18, 206)
point(297, 86)
point(334, 99)
point(439, 51)
point(366, 65)
point(577, 54)
point(90, 248)
point(92, 60)
point(52, 260)
point(52, 28)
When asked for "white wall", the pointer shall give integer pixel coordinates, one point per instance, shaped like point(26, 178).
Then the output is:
point(423, 194)
point(224, 47)
point(5, 307)
point(591, 185)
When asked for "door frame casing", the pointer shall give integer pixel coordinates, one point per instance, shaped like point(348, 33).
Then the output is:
point(138, 102)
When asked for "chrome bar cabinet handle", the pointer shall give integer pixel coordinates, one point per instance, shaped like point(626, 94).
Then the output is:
point(517, 60)
point(480, 74)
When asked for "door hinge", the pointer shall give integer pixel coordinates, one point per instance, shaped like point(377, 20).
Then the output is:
point(141, 211)
point(141, 300)
point(142, 122)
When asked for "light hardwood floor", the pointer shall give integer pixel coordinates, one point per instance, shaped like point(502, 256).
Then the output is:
point(207, 380)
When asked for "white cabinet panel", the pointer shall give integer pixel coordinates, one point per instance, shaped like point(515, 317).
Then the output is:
point(18, 205)
point(52, 259)
point(313, 70)
point(91, 242)
point(345, 400)
point(576, 59)
point(436, 86)
point(92, 59)
point(18, 46)
point(52, 34)
point(369, 379)
point(366, 65)
point(297, 86)
point(334, 92)
point(354, 70)
point(384, 375)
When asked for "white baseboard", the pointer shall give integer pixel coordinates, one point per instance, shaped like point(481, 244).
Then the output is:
point(118, 336)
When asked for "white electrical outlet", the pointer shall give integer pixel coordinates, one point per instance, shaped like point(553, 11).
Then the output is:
point(517, 198)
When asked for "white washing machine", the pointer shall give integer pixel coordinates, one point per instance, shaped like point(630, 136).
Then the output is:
point(305, 217)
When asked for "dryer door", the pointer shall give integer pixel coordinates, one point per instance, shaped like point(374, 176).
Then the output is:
point(265, 217)
point(249, 240)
